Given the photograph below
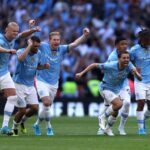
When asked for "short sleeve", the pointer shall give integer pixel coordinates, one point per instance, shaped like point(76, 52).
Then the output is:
point(39, 57)
point(130, 66)
point(64, 49)
point(104, 66)
point(112, 58)
point(132, 54)
point(2, 43)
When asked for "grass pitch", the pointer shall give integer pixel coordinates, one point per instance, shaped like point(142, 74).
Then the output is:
point(76, 134)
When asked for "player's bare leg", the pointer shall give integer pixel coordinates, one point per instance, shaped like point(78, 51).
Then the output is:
point(33, 109)
point(17, 120)
point(112, 111)
point(44, 113)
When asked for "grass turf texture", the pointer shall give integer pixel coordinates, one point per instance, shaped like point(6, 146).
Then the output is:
point(76, 134)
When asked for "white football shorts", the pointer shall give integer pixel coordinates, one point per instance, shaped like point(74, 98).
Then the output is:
point(142, 91)
point(125, 94)
point(6, 82)
point(26, 94)
point(45, 89)
point(109, 96)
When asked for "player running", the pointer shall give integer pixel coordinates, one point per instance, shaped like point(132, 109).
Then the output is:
point(47, 80)
point(28, 61)
point(115, 73)
point(121, 44)
point(140, 55)
point(7, 42)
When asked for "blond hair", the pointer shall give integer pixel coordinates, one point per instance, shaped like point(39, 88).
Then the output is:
point(54, 33)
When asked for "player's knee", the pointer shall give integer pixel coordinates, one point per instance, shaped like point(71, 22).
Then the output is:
point(46, 101)
point(35, 108)
point(22, 111)
point(140, 105)
point(119, 105)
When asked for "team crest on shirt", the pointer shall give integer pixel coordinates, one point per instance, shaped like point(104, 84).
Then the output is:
point(52, 59)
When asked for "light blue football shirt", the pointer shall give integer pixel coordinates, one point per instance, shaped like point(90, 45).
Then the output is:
point(26, 70)
point(4, 57)
point(114, 78)
point(51, 76)
point(114, 57)
point(141, 58)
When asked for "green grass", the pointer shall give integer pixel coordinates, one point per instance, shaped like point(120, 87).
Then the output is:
point(76, 134)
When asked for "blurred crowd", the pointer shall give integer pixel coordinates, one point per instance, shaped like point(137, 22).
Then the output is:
point(106, 19)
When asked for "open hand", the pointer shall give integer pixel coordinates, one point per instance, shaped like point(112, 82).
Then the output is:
point(31, 23)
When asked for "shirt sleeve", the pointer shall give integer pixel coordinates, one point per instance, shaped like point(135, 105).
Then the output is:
point(64, 49)
point(43, 51)
point(2, 43)
point(111, 58)
point(132, 54)
point(130, 66)
point(18, 36)
point(104, 66)
point(39, 57)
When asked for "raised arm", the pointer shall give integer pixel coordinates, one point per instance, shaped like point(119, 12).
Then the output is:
point(29, 32)
point(22, 56)
point(31, 23)
point(137, 74)
point(4, 50)
point(32, 29)
point(90, 67)
point(80, 40)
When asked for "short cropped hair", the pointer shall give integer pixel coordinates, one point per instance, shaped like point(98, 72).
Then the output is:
point(119, 39)
point(121, 53)
point(54, 33)
point(35, 39)
point(144, 33)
